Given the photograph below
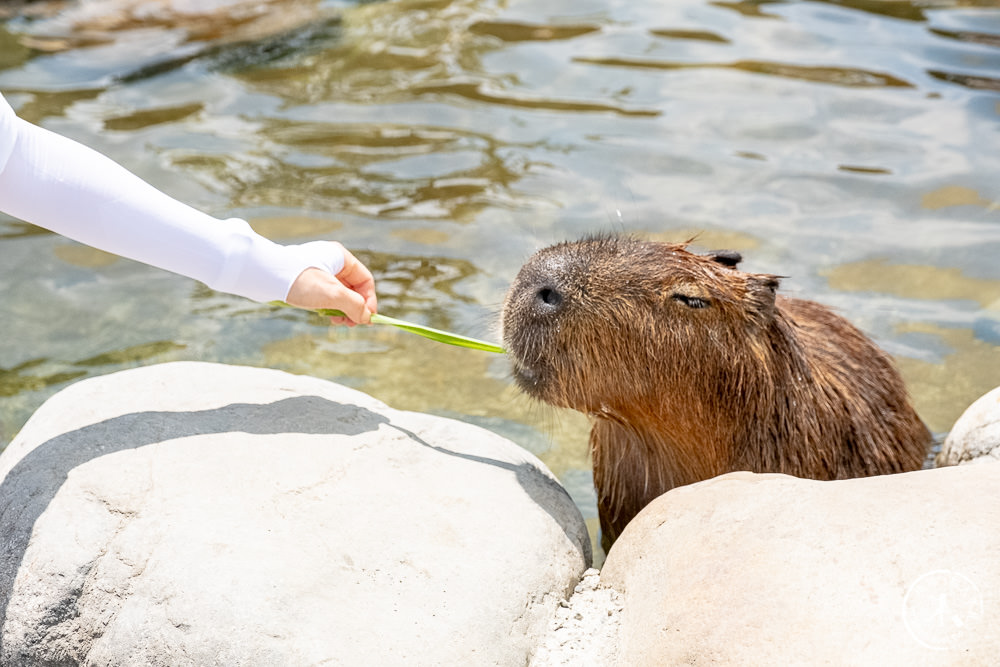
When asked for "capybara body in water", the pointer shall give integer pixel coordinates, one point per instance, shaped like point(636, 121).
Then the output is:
point(691, 368)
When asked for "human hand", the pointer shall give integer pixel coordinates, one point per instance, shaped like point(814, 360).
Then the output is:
point(352, 291)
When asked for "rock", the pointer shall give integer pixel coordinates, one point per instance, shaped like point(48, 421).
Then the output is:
point(201, 514)
point(771, 570)
point(584, 631)
point(975, 438)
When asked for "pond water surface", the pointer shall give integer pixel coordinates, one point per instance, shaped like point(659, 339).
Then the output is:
point(851, 146)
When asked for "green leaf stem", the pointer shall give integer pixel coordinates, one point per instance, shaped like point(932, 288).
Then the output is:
point(419, 329)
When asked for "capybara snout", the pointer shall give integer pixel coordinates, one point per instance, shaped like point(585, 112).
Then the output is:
point(556, 301)
point(691, 368)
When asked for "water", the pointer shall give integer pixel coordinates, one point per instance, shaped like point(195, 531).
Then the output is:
point(849, 146)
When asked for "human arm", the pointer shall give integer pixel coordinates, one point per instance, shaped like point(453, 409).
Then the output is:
point(61, 185)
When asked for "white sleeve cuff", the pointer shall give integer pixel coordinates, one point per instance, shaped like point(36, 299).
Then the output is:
point(264, 271)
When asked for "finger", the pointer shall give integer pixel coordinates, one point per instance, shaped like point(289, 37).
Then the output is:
point(351, 303)
point(342, 321)
point(357, 277)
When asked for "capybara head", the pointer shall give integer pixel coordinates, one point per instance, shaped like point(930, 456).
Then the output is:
point(599, 325)
point(691, 368)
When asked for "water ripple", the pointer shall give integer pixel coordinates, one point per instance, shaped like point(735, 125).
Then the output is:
point(477, 93)
point(838, 76)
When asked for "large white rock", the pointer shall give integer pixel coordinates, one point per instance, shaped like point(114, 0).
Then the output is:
point(201, 514)
point(751, 569)
point(975, 438)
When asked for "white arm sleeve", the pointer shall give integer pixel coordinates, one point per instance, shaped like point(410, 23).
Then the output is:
point(61, 185)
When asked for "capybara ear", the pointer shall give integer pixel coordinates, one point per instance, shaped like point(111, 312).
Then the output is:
point(728, 258)
point(762, 288)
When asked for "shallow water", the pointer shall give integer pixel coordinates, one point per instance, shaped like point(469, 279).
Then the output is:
point(850, 146)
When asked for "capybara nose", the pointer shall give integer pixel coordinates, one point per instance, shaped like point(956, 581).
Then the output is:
point(548, 299)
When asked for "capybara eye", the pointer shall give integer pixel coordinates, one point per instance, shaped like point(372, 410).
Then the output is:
point(550, 297)
point(691, 301)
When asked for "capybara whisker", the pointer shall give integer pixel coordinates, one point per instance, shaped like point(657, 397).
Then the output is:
point(690, 368)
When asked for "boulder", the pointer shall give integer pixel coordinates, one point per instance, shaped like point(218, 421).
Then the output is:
point(749, 569)
point(975, 438)
point(584, 631)
point(202, 514)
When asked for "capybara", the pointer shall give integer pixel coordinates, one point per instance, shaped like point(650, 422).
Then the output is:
point(691, 368)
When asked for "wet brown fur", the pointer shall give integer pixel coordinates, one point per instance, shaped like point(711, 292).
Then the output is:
point(691, 368)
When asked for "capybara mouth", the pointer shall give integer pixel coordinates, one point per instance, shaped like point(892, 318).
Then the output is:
point(530, 378)
point(529, 366)
point(527, 378)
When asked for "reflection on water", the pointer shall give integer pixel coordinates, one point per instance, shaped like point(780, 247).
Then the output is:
point(291, 227)
point(31, 375)
point(83, 256)
point(838, 76)
point(139, 120)
point(916, 282)
point(966, 370)
point(137, 39)
point(707, 239)
point(132, 354)
point(954, 195)
point(22, 378)
point(383, 170)
point(957, 366)
point(419, 284)
point(521, 32)
point(849, 145)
